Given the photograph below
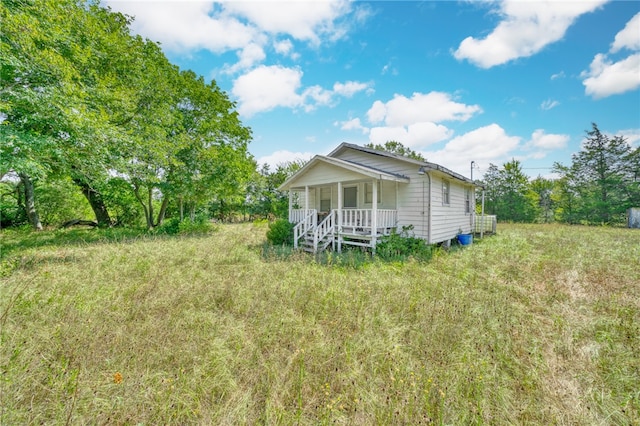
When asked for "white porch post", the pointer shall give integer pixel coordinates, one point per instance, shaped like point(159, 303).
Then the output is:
point(306, 200)
point(290, 204)
point(374, 214)
point(339, 217)
point(482, 216)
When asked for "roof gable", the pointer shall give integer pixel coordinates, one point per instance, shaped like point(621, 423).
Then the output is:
point(424, 165)
point(344, 146)
point(315, 173)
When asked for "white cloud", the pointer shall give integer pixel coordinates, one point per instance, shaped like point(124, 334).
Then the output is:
point(353, 124)
point(389, 69)
point(221, 26)
point(349, 88)
point(285, 48)
point(417, 135)
point(186, 26)
point(282, 157)
point(320, 96)
point(303, 20)
point(606, 78)
point(632, 136)
point(489, 144)
point(266, 88)
point(541, 140)
point(431, 107)
point(414, 121)
point(248, 57)
point(558, 75)
point(548, 104)
point(527, 27)
point(629, 37)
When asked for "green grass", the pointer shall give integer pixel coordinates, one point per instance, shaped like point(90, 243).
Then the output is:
point(537, 325)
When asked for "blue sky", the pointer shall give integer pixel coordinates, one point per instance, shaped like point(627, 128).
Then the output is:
point(457, 81)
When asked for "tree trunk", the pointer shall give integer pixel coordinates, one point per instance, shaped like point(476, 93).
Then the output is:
point(147, 214)
point(30, 202)
point(150, 206)
point(95, 201)
point(221, 214)
point(80, 222)
point(163, 210)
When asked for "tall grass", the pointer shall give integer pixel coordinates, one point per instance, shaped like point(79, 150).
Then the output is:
point(539, 324)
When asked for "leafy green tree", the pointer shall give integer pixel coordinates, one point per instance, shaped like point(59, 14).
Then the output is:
point(12, 210)
point(398, 148)
point(509, 194)
point(598, 187)
point(264, 198)
point(58, 87)
point(82, 98)
point(213, 161)
point(543, 190)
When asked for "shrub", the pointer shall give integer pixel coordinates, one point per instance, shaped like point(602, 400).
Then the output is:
point(174, 226)
point(200, 225)
point(401, 246)
point(169, 226)
point(281, 232)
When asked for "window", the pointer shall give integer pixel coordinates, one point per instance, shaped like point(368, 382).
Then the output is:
point(325, 199)
point(467, 200)
point(350, 199)
point(368, 192)
point(446, 189)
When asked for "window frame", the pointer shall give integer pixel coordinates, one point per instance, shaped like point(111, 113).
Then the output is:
point(368, 192)
point(446, 192)
point(327, 189)
point(344, 199)
point(467, 200)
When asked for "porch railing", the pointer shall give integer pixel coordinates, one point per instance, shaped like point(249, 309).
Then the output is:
point(362, 218)
point(297, 215)
point(304, 224)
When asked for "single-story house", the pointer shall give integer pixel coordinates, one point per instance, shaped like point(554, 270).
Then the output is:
point(356, 195)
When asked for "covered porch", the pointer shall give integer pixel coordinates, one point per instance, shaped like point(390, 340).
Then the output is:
point(335, 202)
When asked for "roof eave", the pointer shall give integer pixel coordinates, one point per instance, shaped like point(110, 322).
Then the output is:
point(349, 165)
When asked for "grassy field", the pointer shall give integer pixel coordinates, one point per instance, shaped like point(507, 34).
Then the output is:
point(536, 325)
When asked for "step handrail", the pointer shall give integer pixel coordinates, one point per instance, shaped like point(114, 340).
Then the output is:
point(323, 229)
point(308, 223)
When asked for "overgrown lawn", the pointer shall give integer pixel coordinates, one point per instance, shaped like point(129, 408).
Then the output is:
point(538, 324)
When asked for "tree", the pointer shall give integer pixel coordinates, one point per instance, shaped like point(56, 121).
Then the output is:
point(83, 99)
point(264, 198)
point(58, 88)
point(509, 194)
point(397, 148)
point(599, 185)
point(543, 189)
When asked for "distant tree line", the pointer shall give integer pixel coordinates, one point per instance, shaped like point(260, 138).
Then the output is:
point(601, 183)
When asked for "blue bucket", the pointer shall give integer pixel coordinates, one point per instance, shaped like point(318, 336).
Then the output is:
point(465, 239)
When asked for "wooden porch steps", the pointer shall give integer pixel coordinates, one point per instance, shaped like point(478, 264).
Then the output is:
point(307, 243)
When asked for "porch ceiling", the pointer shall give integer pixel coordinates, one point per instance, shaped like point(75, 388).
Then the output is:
point(322, 170)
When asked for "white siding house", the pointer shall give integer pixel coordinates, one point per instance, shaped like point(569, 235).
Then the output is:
point(355, 195)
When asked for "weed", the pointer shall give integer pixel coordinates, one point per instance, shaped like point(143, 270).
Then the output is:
point(537, 325)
